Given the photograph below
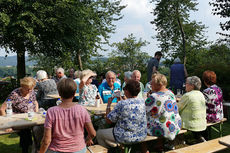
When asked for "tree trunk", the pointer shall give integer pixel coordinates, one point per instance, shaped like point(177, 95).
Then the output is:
point(79, 61)
point(21, 66)
point(183, 38)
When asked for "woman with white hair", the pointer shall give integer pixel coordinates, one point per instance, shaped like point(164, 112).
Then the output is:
point(192, 108)
point(45, 87)
point(87, 91)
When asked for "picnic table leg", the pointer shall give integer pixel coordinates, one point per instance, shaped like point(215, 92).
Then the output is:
point(221, 129)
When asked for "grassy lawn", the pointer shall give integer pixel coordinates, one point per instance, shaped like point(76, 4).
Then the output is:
point(10, 143)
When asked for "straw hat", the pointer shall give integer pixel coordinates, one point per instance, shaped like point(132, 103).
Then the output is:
point(86, 74)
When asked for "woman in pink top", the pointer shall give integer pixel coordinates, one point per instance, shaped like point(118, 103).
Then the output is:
point(64, 125)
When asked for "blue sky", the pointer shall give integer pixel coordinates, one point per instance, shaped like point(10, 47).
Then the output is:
point(137, 19)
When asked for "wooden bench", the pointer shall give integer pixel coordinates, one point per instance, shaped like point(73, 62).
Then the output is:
point(96, 149)
point(204, 147)
point(127, 148)
point(218, 127)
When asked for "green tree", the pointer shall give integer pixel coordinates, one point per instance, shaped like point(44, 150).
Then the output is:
point(127, 55)
point(222, 9)
point(52, 28)
point(175, 32)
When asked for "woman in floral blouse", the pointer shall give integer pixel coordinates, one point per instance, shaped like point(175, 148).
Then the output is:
point(129, 117)
point(20, 99)
point(162, 111)
point(213, 97)
point(88, 91)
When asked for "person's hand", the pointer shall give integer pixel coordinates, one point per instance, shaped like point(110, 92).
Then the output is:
point(110, 101)
point(89, 142)
point(9, 130)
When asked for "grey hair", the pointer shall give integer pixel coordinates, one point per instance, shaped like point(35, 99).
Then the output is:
point(60, 70)
point(77, 74)
point(195, 81)
point(136, 71)
point(128, 74)
point(107, 73)
point(177, 60)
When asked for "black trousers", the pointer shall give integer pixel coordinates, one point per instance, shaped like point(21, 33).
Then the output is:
point(25, 139)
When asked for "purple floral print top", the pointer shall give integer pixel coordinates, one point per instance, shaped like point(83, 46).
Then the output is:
point(19, 103)
point(214, 103)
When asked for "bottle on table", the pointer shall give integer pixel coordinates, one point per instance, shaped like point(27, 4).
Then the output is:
point(30, 111)
point(58, 101)
point(97, 103)
point(9, 110)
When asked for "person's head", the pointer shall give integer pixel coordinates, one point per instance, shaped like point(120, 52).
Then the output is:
point(110, 77)
point(209, 78)
point(77, 74)
point(66, 88)
point(177, 60)
point(136, 75)
point(60, 72)
point(127, 75)
point(71, 72)
point(193, 83)
point(132, 88)
point(41, 75)
point(87, 75)
point(158, 81)
point(158, 55)
point(27, 84)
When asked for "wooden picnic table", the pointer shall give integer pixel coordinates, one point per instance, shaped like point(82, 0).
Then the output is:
point(225, 141)
point(99, 110)
point(56, 96)
point(20, 121)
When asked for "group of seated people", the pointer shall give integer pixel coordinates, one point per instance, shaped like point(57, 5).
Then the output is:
point(134, 117)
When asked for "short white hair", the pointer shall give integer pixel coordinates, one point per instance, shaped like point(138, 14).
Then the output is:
point(128, 74)
point(195, 81)
point(41, 74)
point(136, 71)
point(107, 73)
point(77, 74)
point(60, 69)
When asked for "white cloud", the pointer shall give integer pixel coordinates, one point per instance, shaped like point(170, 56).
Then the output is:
point(138, 8)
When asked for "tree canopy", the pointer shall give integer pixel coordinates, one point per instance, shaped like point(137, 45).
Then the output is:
point(52, 28)
point(222, 9)
point(175, 32)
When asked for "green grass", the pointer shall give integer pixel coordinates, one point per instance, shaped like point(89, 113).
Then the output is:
point(10, 143)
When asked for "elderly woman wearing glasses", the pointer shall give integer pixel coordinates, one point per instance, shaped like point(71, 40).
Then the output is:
point(20, 99)
point(192, 108)
point(87, 91)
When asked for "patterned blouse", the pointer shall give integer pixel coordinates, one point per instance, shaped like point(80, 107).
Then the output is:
point(19, 103)
point(214, 103)
point(130, 118)
point(162, 115)
point(88, 95)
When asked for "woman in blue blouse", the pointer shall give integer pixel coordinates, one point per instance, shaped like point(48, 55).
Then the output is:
point(129, 117)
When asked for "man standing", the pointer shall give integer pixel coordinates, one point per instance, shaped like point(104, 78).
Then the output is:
point(107, 88)
point(153, 65)
point(136, 75)
point(59, 74)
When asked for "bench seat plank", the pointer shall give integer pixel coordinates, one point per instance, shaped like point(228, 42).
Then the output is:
point(205, 147)
point(96, 149)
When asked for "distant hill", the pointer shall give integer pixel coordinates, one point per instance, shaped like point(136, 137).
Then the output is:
point(12, 61)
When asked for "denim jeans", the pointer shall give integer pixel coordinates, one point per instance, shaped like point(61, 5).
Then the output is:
point(81, 151)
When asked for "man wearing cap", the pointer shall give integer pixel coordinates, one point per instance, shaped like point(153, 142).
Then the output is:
point(108, 88)
point(59, 74)
point(153, 65)
point(136, 75)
